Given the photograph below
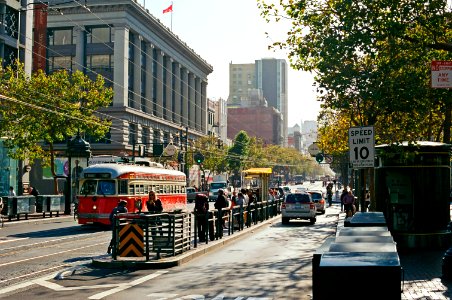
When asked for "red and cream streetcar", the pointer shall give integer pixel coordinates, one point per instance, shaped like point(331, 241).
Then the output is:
point(102, 185)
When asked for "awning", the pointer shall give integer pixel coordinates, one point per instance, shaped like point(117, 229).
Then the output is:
point(258, 171)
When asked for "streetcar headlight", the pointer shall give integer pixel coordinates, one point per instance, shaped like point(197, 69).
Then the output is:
point(94, 207)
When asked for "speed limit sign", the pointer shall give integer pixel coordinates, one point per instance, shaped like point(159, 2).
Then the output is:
point(361, 141)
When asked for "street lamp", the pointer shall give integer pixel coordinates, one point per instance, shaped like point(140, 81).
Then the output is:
point(78, 152)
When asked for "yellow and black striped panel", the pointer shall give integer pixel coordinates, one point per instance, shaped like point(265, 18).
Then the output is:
point(131, 241)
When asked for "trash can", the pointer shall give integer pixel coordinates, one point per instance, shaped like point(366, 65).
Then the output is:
point(40, 204)
point(12, 206)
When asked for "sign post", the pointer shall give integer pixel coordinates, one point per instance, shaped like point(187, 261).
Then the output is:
point(441, 74)
point(314, 149)
point(362, 147)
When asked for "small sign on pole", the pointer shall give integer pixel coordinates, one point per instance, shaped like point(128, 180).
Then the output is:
point(313, 149)
point(362, 147)
point(441, 74)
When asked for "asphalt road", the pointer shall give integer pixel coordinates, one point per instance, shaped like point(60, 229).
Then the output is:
point(272, 263)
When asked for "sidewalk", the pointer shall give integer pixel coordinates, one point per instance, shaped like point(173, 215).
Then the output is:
point(37, 217)
point(422, 271)
point(423, 276)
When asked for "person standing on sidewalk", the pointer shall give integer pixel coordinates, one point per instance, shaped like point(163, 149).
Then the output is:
point(154, 206)
point(201, 214)
point(349, 204)
point(344, 193)
point(220, 204)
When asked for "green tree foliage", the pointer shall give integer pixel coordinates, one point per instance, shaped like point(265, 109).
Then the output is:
point(40, 110)
point(372, 62)
point(214, 154)
point(238, 153)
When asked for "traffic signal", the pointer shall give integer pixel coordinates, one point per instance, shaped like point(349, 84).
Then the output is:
point(199, 158)
point(319, 158)
point(180, 157)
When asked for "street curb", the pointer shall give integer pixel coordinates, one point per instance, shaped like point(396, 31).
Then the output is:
point(35, 219)
point(169, 262)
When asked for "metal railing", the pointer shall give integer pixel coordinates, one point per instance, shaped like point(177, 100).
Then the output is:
point(171, 234)
point(235, 219)
point(166, 233)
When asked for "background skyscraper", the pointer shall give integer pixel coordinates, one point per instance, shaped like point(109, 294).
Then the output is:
point(266, 78)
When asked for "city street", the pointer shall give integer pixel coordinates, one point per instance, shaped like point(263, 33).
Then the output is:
point(273, 262)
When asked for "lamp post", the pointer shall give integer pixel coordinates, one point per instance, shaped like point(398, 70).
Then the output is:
point(78, 152)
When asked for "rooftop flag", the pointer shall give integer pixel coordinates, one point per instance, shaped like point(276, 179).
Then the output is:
point(169, 9)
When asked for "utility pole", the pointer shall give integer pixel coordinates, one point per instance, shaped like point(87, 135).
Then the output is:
point(187, 173)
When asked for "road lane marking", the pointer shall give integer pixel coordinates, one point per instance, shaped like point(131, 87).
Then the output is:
point(43, 242)
point(59, 288)
point(13, 240)
point(47, 255)
point(161, 296)
point(125, 286)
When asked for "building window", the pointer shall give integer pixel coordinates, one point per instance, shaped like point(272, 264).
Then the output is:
point(60, 62)
point(99, 62)
point(11, 22)
point(99, 35)
point(132, 133)
point(59, 37)
point(145, 136)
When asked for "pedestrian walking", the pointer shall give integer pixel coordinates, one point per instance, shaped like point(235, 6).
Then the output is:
point(201, 214)
point(344, 193)
point(120, 208)
point(349, 204)
point(329, 193)
point(367, 201)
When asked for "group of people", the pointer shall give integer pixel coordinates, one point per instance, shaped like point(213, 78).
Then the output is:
point(348, 202)
point(243, 198)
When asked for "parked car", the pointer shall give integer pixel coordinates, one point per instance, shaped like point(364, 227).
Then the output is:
point(298, 205)
point(319, 200)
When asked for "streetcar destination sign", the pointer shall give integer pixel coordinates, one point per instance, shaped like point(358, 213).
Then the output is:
point(361, 141)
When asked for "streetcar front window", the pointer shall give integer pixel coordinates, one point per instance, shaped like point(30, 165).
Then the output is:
point(106, 187)
point(88, 187)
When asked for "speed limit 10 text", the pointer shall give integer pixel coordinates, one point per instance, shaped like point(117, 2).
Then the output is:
point(360, 135)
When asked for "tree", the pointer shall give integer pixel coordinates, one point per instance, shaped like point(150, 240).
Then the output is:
point(214, 154)
point(41, 110)
point(238, 154)
point(372, 60)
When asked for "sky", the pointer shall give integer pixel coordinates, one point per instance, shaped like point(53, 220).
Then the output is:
point(222, 32)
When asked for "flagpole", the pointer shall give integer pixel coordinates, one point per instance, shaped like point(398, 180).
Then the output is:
point(171, 16)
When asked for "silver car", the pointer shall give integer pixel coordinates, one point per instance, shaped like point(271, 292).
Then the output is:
point(298, 206)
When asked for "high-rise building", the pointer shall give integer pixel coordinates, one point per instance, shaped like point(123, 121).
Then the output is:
point(308, 133)
point(263, 83)
point(242, 79)
point(271, 77)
